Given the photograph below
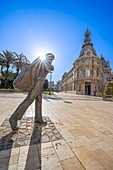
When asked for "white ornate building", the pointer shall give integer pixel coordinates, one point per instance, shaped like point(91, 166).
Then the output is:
point(89, 73)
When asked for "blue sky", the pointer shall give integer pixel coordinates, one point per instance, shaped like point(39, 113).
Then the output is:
point(58, 26)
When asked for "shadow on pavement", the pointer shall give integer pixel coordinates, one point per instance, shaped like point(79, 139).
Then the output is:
point(83, 99)
point(6, 144)
point(65, 98)
point(34, 153)
point(53, 97)
point(29, 134)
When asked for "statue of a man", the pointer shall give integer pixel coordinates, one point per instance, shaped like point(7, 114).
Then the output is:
point(32, 78)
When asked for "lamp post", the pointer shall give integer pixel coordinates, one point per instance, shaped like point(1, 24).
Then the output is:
point(50, 82)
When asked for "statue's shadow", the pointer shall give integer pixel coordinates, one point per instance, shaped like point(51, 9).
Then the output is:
point(13, 140)
point(6, 144)
point(33, 160)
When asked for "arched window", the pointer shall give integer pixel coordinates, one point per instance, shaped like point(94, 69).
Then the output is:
point(79, 89)
point(87, 72)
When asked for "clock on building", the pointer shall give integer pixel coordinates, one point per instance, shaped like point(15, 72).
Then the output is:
point(88, 53)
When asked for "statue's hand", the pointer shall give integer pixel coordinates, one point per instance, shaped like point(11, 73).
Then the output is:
point(50, 67)
point(49, 57)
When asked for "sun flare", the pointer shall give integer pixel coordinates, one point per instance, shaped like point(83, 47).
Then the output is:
point(42, 56)
point(39, 51)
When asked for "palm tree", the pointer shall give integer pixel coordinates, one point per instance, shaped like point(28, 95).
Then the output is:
point(19, 61)
point(6, 59)
point(2, 64)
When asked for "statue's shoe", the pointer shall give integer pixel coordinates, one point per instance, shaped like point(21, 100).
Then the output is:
point(13, 124)
point(40, 122)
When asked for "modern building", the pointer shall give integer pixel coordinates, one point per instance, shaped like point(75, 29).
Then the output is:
point(89, 73)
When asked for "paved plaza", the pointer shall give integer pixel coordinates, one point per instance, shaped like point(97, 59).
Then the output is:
point(78, 134)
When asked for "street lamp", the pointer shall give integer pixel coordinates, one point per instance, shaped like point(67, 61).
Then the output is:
point(50, 82)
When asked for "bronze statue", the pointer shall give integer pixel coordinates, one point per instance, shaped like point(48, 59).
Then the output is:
point(31, 78)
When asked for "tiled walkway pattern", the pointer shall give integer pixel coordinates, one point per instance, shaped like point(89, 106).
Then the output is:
point(85, 126)
point(28, 133)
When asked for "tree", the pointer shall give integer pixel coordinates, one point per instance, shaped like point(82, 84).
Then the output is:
point(19, 61)
point(108, 91)
point(6, 59)
point(1, 65)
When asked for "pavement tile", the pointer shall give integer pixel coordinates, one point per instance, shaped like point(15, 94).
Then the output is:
point(4, 168)
point(4, 162)
point(13, 159)
point(29, 158)
point(23, 156)
point(47, 151)
point(86, 132)
point(46, 145)
point(72, 164)
point(74, 143)
point(87, 143)
point(66, 134)
point(87, 159)
point(5, 153)
point(62, 149)
point(106, 147)
point(51, 162)
point(12, 167)
point(96, 140)
point(75, 132)
point(103, 158)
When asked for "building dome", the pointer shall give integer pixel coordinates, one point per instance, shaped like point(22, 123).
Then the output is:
point(87, 44)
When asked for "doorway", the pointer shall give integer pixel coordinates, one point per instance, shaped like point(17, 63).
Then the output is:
point(88, 88)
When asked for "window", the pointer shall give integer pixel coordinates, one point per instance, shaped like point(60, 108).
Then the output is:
point(95, 62)
point(74, 86)
point(80, 73)
point(99, 87)
point(95, 72)
point(87, 72)
point(88, 62)
point(74, 73)
point(79, 88)
point(80, 63)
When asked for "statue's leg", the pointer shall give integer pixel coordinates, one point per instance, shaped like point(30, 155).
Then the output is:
point(38, 109)
point(19, 112)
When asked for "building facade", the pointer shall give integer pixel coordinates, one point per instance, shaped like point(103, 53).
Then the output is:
point(58, 86)
point(89, 73)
